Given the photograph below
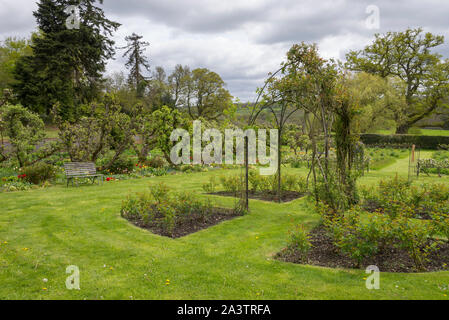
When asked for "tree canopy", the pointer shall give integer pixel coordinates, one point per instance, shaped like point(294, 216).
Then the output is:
point(408, 56)
point(67, 64)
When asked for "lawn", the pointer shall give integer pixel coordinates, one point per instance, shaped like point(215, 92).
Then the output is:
point(47, 230)
point(50, 133)
point(424, 132)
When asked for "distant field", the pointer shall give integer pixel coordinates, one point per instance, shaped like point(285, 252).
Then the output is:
point(51, 133)
point(425, 132)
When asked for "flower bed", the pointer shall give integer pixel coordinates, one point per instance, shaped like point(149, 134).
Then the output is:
point(398, 228)
point(173, 214)
point(261, 187)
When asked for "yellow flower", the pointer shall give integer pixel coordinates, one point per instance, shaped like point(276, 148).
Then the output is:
point(111, 268)
point(45, 289)
point(25, 249)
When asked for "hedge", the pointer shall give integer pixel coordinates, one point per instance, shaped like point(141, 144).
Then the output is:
point(404, 140)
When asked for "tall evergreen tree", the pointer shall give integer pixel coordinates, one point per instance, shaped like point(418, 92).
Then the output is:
point(137, 62)
point(67, 64)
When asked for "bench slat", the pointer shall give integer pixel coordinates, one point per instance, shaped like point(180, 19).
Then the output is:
point(80, 169)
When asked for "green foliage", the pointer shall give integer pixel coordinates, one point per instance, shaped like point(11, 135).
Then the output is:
point(407, 55)
point(296, 139)
point(440, 218)
point(434, 166)
point(102, 127)
point(39, 173)
point(203, 94)
point(210, 186)
point(66, 65)
point(405, 141)
point(400, 204)
point(156, 162)
point(137, 62)
point(12, 184)
point(356, 238)
point(231, 183)
point(264, 184)
point(379, 158)
point(381, 100)
point(25, 131)
point(413, 236)
point(299, 243)
point(159, 128)
point(121, 165)
point(11, 50)
point(360, 235)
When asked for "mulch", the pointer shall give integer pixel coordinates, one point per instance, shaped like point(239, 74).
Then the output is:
point(287, 196)
point(187, 227)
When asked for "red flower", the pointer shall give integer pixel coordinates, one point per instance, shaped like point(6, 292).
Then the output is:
point(108, 179)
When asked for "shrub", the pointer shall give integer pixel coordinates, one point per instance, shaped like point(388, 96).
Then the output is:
point(289, 182)
point(440, 220)
point(189, 168)
point(25, 130)
point(165, 209)
point(413, 236)
point(423, 142)
point(14, 183)
point(361, 235)
point(210, 186)
point(122, 165)
point(299, 243)
point(393, 195)
point(355, 238)
point(39, 173)
point(156, 162)
point(231, 184)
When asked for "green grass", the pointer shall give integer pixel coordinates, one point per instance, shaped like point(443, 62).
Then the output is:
point(382, 158)
point(233, 260)
point(424, 132)
point(50, 133)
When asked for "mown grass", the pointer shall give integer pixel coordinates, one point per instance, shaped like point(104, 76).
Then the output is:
point(418, 131)
point(47, 230)
point(50, 133)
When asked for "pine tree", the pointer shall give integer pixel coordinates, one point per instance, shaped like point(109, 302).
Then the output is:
point(137, 62)
point(67, 64)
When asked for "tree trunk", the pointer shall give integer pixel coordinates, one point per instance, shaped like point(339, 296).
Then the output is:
point(403, 129)
point(279, 166)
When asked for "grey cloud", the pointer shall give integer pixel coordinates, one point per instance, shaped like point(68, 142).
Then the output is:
point(244, 40)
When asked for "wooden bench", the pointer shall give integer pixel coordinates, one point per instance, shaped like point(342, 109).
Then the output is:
point(87, 170)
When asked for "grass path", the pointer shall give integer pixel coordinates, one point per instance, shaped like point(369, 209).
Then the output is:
point(48, 230)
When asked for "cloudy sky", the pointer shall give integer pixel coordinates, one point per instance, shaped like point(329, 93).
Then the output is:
point(244, 40)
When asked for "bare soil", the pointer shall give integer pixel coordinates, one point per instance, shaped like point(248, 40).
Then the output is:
point(287, 196)
point(189, 226)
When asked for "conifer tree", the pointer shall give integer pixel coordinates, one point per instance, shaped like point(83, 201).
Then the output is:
point(137, 62)
point(67, 64)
